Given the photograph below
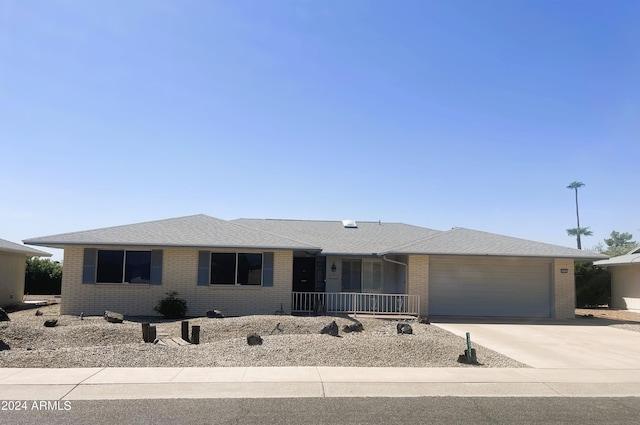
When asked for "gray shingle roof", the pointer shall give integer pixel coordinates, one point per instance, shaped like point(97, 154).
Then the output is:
point(461, 241)
point(368, 238)
point(632, 257)
point(192, 231)
point(330, 237)
point(7, 246)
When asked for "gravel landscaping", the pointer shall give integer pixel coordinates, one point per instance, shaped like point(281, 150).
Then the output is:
point(288, 341)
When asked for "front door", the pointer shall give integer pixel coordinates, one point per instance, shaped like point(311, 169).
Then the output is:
point(304, 271)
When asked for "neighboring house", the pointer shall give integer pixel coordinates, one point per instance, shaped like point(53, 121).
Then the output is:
point(255, 266)
point(13, 261)
point(625, 279)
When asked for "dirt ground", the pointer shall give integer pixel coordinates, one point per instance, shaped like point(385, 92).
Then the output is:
point(609, 313)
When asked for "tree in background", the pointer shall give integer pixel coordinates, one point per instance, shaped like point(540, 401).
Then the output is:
point(42, 276)
point(593, 285)
point(578, 231)
point(619, 244)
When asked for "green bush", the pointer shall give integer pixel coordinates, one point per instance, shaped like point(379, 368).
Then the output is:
point(42, 276)
point(593, 285)
point(172, 307)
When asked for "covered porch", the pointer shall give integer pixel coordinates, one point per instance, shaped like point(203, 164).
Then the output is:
point(355, 303)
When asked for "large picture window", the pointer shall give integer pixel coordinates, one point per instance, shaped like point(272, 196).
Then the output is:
point(236, 269)
point(120, 266)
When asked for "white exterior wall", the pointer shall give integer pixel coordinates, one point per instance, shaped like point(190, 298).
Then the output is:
point(418, 280)
point(625, 287)
point(12, 269)
point(179, 273)
point(564, 289)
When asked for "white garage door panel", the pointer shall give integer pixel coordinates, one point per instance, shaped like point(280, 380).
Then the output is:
point(478, 286)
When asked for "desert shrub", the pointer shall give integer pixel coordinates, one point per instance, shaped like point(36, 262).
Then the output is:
point(171, 307)
point(593, 285)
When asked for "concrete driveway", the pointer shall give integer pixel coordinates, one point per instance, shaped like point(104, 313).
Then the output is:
point(573, 344)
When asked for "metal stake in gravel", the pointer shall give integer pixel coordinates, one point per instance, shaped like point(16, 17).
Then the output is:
point(470, 353)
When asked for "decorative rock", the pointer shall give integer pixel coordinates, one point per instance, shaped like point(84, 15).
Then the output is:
point(464, 358)
point(331, 329)
point(424, 321)
point(254, 339)
point(38, 313)
point(4, 317)
point(404, 329)
point(50, 323)
point(4, 346)
point(113, 317)
point(356, 327)
point(215, 314)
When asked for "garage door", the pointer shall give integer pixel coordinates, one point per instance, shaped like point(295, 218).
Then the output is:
point(494, 286)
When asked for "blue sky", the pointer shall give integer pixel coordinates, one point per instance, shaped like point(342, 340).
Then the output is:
point(449, 113)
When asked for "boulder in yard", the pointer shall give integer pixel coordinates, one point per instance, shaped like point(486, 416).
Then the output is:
point(38, 313)
point(356, 327)
point(424, 321)
point(330, 329)
point(4, 346)
point(464, 358)
point(215, 314)
point(50, 323)
point(4, 317)
point(254, 339)
point(113, 317)
point(404, 329)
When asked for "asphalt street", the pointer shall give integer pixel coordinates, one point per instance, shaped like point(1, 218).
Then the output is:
point(371, 411)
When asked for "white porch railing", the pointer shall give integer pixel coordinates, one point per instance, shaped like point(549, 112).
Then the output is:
point(355, 302)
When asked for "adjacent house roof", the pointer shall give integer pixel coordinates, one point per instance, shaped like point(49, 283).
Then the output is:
point(461, 241)
point(192, 231)
point(7, 246)
point(633, 257)
point(327, 237)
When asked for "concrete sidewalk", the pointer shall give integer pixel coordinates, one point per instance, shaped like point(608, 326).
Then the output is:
point(267, 382)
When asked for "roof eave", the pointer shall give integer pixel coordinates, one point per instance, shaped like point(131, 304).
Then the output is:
point(493, 254)
point(35, 253)
point(62, 245)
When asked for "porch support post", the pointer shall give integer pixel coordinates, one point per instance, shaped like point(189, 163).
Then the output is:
point(418, 281)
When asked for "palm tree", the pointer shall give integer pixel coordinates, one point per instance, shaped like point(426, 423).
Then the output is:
point(577, 231)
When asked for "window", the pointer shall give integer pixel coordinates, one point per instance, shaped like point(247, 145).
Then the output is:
point(119, 266)
point(372, 281)
point(236, 269)
point(351, 275)
point(362, 276)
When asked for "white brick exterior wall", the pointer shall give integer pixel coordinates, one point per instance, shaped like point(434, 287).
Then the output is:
point(179, 273)
point(418, 280)
point(564, 289)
